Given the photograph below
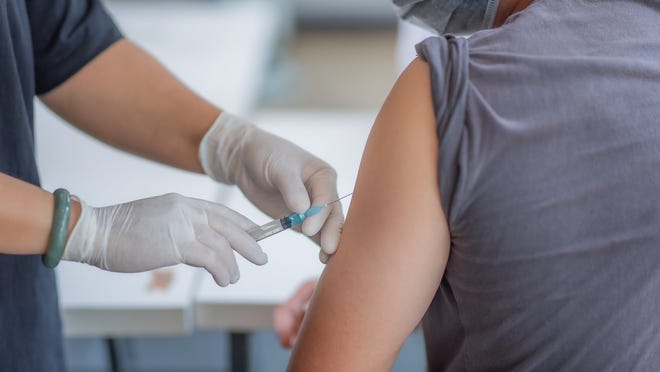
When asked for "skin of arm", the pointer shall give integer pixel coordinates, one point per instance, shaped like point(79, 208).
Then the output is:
point(127, 99)
point(26, 216)
point(507, 8)
point(394, 246)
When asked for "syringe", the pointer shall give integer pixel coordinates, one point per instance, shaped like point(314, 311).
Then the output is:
point(284, 223)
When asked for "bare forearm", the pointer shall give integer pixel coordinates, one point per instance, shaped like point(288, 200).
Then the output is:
point(26, 215)
point(126, 98)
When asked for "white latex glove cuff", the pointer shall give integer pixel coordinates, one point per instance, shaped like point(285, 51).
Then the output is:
point(80, 245)
point(220, 151)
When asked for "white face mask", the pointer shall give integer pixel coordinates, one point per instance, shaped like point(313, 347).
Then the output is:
point(449, 16)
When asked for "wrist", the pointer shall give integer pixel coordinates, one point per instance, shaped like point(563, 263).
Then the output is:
point(81, 240)
point(221, 148)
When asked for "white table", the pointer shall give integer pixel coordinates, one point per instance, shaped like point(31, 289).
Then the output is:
point(221, 50)
point(247, 305)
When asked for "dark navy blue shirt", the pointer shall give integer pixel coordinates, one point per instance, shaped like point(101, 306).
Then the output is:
point(42, 44)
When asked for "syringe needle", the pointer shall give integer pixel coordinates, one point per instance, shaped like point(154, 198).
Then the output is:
point(343, 197)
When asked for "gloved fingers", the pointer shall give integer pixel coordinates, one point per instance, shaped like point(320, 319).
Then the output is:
point(324, 257)
point(222, 250)
point(220, 211)
point(312, 225)
point(199, 255)
point(325, 227)
point(322, 187)
point(331, 231)
point(269, 202)
point(217, 213)
point(293, 190)
point(238, 239)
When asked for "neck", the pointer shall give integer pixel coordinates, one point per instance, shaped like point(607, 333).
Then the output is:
point(509, 7)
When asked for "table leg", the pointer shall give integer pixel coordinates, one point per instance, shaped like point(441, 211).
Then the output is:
point(239, 352)
point(113, 355)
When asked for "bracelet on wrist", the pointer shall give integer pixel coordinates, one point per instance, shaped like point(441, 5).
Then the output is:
point(59, 228)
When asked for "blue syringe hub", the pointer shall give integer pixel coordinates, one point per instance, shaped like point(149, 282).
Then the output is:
point(295, 219)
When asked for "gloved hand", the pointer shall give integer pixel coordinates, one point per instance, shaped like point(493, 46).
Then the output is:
point(275, 175)
point(288, 317)
point(162, 231)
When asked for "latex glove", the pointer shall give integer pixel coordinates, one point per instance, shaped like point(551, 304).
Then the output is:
point(162, 231)
point(275, 175)
point(288, 317)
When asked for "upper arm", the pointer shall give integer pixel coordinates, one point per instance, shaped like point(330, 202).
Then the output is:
point(126, 98)
point(394, 247)
point(66, 35)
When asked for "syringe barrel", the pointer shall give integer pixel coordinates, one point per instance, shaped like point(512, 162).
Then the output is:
point(275, 226)
point(266, 230)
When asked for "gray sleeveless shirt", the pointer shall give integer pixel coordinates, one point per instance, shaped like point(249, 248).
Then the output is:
point(549, 170)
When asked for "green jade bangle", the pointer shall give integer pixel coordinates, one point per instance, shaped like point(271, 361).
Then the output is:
point(59, 228)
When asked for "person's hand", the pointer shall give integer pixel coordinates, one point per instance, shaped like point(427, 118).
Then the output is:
point(288, 317)
point(275, 175)
point(162, 231)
